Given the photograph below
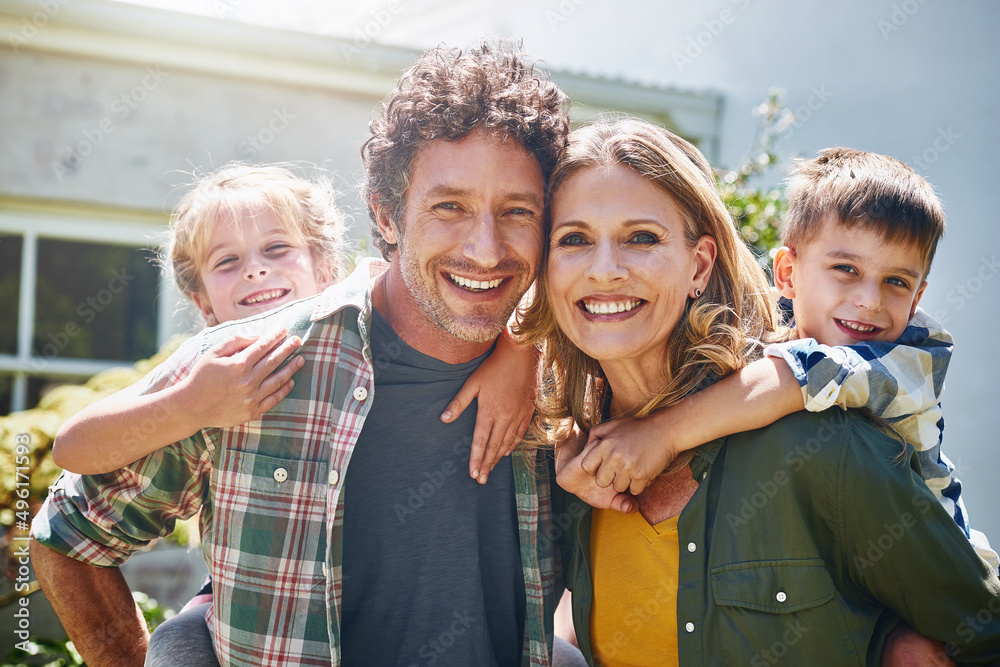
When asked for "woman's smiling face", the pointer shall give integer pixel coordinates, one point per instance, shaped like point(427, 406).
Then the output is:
point(620, 269)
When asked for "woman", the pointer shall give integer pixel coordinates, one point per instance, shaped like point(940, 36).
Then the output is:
point(802, 542)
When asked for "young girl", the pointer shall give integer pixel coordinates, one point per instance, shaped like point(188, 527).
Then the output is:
point(245, 240)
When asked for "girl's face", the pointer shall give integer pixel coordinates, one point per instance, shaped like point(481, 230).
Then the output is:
point(254, 269)
point(620, 270)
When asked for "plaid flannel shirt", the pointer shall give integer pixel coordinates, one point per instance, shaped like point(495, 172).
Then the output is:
point(269, 493)
point(899, 382)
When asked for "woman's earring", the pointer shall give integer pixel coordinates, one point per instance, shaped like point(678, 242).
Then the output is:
point(697, 293)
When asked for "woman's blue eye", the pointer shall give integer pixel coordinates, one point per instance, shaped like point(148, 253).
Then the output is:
point(571, 240)
point(645, 238)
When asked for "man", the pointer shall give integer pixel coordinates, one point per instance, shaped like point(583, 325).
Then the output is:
point(403, 560)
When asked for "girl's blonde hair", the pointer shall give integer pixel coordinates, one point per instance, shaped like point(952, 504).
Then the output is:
point(718, 331)
point(307, 209)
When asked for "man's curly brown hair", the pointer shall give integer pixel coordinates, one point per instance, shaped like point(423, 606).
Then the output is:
point(447, 94)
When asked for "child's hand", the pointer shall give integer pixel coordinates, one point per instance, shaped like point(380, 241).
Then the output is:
point(236, 381)
point(571, 476)
point(627, 454)
point(505, 386)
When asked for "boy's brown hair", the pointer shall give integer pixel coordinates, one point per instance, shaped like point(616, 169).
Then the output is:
point(867, 190)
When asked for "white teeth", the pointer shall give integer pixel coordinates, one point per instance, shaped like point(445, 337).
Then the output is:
point(610, 308)
point(475, 284)
point(857, 327)
point(263, 296)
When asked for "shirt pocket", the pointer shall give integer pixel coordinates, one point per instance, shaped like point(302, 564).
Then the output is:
point(783, 611)
point(777, 587)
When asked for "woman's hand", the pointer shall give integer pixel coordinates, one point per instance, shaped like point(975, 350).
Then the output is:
point(571, 476)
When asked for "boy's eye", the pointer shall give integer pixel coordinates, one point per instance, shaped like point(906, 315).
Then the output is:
point(898, 282)
point(644, 238)
point(845, 268)
point(224, 263)
point(277, 246)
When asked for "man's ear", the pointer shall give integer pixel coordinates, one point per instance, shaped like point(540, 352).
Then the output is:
point(784, 265)
point(383, 219)
point(205, 306)
point(916, 299)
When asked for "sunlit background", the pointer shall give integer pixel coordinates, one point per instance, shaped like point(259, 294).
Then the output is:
point(107, 107)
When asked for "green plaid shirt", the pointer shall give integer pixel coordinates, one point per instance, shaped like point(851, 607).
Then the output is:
point(270, 495)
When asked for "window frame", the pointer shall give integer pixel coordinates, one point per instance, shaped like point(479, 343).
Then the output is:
point(137, 229)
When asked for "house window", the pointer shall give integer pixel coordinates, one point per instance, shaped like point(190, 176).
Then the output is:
point(79, 299)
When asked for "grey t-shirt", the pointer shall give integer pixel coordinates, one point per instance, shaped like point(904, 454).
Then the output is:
point(432, 571)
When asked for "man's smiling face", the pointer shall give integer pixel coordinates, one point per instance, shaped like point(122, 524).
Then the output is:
point(470, 238)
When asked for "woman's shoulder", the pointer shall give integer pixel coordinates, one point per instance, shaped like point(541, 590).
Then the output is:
point(830, 437)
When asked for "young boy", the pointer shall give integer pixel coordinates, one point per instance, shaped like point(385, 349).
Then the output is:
point(859, 238)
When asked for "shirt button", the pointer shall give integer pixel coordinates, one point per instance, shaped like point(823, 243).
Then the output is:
point(280, 474)
point(704, 475)
point(781, 597)
point(692, 547)
point(689, 626)
point(360, 393)
point(334, 477)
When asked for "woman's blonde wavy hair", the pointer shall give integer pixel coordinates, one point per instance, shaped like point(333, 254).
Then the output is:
point(718, 332)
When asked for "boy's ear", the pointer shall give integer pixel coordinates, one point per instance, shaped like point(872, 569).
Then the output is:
point(385, 227)
point(205, 306)
point(784, 264)
point(916, 299)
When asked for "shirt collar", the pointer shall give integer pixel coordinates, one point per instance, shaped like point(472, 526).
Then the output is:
point(353, 291)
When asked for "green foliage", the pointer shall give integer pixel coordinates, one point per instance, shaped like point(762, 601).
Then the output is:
point(758, 211)
point(49, 652)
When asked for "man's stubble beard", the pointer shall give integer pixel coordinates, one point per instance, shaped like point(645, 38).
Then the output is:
point(428, 296)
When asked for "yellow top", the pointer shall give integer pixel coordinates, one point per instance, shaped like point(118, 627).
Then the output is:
point(633, 619)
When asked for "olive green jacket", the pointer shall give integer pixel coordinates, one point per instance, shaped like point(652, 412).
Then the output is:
point(804, 544)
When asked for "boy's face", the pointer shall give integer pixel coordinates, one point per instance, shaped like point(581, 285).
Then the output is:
point(849, 286)
point(254, 268)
